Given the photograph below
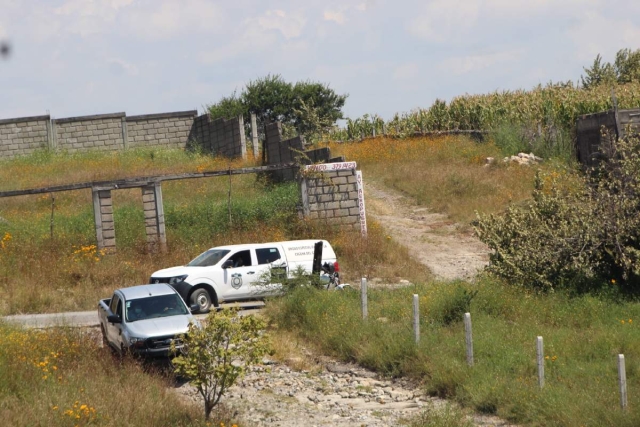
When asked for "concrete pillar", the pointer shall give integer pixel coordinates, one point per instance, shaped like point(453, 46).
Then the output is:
point(125, 137)
point(154, 217)
point(103, 217)
point(254, 136)
point(242, 139)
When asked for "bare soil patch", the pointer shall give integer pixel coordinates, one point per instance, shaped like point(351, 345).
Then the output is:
point(450, 250)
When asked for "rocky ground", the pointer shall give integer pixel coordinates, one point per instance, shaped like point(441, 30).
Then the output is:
point(332, 394)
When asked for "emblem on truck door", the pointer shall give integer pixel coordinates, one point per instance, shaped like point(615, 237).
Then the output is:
point(236, 281)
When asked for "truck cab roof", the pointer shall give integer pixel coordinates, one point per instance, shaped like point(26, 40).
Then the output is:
point(143, 291)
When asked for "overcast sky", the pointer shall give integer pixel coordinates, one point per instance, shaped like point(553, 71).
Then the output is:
point(78, 57)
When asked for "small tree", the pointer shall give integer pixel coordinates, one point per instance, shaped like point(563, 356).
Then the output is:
point(216, 355)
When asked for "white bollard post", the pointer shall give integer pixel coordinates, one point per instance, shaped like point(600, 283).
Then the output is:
point(363, 294)
point(416, 318)
point(622, 381)
point(468, 338)
point(540, 358)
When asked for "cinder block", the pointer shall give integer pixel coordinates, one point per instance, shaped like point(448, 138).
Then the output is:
point(348, 204)
point(106, 209)
point(339, 180)
point(354, 211)
point(148, 205)
point(345, 188)
point(108, 234)
point(329, 188)
point(150, 222)
point(352, 179)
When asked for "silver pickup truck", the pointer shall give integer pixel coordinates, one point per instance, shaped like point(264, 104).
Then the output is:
point(144, 320)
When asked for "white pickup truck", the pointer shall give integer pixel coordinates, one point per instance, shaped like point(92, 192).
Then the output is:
point(144, 320)
point(237, 272)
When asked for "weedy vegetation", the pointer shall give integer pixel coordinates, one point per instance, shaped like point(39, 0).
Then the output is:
point(60, 378)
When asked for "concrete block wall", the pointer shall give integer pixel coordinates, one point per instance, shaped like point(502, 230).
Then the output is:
point(332, 196)
point(166, 130)
point(22, 136)
point(281, 151)
point(223, 137)
point(595, 133)
point(110, 132)
point(87, 133)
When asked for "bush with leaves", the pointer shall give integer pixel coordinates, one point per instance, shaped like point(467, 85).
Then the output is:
point(216, 355)
point(574, 233)
point(310, 108)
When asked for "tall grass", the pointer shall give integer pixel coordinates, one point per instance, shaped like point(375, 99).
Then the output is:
point(60, 377)
point(582, 337)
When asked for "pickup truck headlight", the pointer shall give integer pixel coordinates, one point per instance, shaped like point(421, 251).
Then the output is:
point(136, 342)
point(177, 279)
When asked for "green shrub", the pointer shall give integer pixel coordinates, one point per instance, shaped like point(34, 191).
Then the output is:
point(577, 234)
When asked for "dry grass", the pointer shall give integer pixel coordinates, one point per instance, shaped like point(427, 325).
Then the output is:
point(61, 378)
point(45, 169)
point(447, 174)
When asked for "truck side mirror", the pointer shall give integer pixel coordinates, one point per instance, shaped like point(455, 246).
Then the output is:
point(194, 308)
point(114, 318)
point(227, 264)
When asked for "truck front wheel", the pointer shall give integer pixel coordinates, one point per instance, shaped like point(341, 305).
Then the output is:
point(203, 299)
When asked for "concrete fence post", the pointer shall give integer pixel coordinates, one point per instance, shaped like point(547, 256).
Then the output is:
point(363, 294)
point(540, 361)
point(622, 381)
point(468, 338)
point(416, 318)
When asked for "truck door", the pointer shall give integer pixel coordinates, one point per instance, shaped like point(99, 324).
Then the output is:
point(239, 275)
point(272, 267)
point(114, 330)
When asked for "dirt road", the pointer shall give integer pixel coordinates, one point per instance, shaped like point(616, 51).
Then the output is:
point(450, 250)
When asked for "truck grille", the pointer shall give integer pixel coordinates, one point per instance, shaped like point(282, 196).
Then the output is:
point(163, 342)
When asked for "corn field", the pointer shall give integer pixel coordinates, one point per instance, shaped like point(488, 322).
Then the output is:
point(557, 105)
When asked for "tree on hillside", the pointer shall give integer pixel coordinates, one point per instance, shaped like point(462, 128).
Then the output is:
point(271, 98)
point(625, 69)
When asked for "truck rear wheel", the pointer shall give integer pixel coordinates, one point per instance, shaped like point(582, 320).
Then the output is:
point(202, 298)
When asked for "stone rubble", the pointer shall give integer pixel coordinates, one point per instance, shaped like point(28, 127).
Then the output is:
point(523, 159)
point(275, 395)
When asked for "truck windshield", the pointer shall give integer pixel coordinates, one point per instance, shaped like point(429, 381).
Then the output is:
point(152, 307)
point(208, 258)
